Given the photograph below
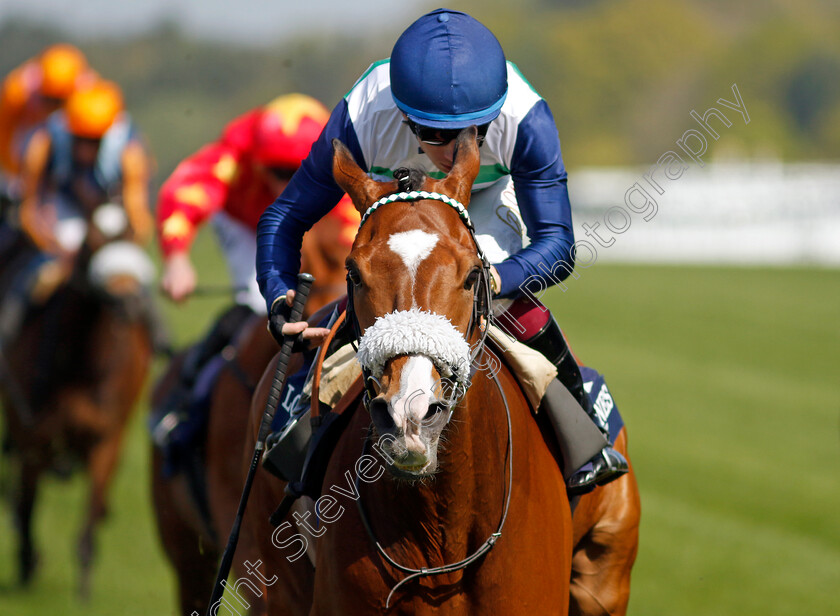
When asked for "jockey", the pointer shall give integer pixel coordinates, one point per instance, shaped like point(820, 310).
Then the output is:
point(447, 72)
point(34, 90)
point(84, 156)
point(230, 182)
point(29, 94)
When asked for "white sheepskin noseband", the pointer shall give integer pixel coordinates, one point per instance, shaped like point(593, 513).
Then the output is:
point(415, 332)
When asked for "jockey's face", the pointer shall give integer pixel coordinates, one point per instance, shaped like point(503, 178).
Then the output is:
point(439, 144)
point(442, 156)
point(85, 151)
point(51, 104)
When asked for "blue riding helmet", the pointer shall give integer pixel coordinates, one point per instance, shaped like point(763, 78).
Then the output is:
point(448, 71)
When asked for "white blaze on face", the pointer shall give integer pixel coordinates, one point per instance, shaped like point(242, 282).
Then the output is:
point(413, 246)
point(409, 407)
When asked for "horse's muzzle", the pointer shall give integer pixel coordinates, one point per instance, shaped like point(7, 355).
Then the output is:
point(413, 463)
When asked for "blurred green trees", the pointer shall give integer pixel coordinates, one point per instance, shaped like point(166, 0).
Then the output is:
point(620, 75)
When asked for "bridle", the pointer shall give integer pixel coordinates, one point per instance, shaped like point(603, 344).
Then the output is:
point(482, 297)
point(480, 317)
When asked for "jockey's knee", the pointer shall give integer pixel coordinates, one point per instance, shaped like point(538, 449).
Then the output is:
point(523, 319)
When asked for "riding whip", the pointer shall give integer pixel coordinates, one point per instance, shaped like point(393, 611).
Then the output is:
point(304, 283)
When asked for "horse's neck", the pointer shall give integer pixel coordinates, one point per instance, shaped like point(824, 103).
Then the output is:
point(452, 513)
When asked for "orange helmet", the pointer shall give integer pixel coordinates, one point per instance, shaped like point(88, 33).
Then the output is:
point(61, 66)
point(91, 111)
point(15, 91)
point(286, 130)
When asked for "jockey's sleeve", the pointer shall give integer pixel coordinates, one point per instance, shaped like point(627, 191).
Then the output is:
point(197, 189)
point(309, 196)
point(33, 170)
point(539, 179)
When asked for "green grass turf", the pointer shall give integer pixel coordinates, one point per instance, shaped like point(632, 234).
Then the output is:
point(728, 381)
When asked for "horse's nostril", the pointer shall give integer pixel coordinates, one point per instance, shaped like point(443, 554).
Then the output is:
point(379, 413)
point(434, 409)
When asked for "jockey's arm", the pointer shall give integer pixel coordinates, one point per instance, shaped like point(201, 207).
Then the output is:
point(135, 166)
point(198, 188)
point(32, 217)
point(539, 179)
point(13, 96)
point(309, 196)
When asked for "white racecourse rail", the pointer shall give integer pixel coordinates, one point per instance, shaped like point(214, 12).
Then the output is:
point(729, 213)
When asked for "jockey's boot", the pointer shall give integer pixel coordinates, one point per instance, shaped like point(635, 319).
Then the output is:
point(173, 410)
point(584, 470)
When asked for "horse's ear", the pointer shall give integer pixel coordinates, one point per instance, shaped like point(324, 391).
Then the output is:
point(458, 183)
point(348, 175)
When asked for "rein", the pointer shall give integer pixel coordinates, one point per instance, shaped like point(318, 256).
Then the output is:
point(461, 564)
point(482, 296)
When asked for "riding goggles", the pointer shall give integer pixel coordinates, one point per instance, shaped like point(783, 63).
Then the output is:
point(442, 136)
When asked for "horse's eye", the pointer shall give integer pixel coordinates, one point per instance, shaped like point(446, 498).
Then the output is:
point(354, 277)
point(472, 278)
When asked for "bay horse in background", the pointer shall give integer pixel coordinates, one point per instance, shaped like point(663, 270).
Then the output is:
point(73, 375)
point(454, 489)
point(193, 540)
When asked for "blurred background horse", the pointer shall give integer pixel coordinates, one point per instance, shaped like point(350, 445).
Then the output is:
point(73, 375)
point(194, 525)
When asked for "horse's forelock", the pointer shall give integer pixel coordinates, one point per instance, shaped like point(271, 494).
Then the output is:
point(410, 179)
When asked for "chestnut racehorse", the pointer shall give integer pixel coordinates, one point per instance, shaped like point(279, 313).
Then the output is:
point(605, 523)
point(71, 379)
point(479, 496)
point(193, 546)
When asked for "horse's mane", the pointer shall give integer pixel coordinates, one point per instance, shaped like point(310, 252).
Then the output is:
point(410, 179)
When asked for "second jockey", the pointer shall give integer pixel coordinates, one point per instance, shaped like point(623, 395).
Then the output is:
point(229, 183)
